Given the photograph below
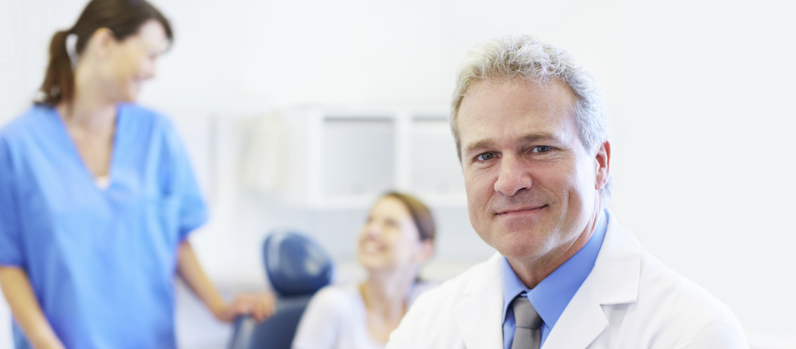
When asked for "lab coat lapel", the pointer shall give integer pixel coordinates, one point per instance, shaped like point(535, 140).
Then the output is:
point(478, 314)
point(613, 280)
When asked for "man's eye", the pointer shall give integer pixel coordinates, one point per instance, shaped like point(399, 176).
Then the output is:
point(542, 149)
point(485, 156)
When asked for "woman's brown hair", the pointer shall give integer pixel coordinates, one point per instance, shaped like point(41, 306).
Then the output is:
point(122, 17)
point(421, 214)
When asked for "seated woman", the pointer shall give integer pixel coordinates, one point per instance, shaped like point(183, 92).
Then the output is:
point(396, 240)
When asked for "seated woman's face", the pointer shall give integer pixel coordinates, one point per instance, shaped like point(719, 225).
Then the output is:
point(389, 239)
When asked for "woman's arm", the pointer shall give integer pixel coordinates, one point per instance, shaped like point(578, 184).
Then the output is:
point(27, 312)
point(259, 305)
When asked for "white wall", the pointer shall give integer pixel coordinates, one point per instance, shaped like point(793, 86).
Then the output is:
point(698, 94)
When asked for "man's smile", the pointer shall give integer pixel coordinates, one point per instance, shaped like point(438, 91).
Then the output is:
point(520, 211)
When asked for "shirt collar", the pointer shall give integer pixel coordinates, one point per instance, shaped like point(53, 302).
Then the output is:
point(551, 296)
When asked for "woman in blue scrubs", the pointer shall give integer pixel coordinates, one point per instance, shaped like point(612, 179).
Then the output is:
point(97, 197)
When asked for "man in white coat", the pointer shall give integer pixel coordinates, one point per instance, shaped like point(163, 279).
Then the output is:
point(533, 143)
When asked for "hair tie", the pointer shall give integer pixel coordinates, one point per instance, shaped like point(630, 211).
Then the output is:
point(71, 44)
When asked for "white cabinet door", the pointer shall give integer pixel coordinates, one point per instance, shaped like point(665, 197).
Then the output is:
point(357, 157)
point(435, 172)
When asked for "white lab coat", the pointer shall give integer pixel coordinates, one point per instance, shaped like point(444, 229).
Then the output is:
point(630, 300)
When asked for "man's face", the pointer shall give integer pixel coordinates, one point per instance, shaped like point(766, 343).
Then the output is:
point(532, 187)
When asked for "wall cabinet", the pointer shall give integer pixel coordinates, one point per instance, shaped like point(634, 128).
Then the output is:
point(345, 158)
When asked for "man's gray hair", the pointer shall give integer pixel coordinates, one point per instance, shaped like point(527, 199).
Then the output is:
point(525, 57)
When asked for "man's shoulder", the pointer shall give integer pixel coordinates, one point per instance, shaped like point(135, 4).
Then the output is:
point(671, 291)
point(449, 292)
point(656, 303)
point(658, 284)
point(678, 309)
point(430, 322)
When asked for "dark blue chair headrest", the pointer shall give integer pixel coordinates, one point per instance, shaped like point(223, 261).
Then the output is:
point(296, 264)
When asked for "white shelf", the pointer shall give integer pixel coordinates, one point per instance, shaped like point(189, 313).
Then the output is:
point(343, 158)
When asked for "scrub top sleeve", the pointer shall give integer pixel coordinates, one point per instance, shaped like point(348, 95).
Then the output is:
point(11, 252)
point(192, 209)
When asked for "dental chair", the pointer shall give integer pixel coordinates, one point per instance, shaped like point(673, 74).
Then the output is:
point(297, 267)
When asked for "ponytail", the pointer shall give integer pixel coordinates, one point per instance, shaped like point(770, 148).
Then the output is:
point(59, 81)
point(122, 17)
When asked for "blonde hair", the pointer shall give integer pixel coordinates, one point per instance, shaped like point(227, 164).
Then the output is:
point(525, 57)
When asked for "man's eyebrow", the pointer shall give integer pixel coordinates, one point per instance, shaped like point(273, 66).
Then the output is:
point(534, 137)
point(489, 143)
point(480, 144)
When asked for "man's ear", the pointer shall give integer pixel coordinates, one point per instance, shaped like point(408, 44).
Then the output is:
point(602, 162)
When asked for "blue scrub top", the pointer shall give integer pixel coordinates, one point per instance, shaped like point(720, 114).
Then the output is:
point(101, 261)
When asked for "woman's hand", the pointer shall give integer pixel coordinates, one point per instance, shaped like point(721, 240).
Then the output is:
point(258, 305)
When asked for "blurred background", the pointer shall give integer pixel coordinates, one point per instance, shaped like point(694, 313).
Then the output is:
point(297, 114)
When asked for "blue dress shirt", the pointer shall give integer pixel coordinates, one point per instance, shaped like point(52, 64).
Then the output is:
point(551, 296)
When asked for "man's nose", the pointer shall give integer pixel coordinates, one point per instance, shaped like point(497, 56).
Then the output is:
point(513, 176)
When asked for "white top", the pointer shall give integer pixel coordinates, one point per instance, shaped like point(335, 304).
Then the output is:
point(336, 318)
point(102, 182)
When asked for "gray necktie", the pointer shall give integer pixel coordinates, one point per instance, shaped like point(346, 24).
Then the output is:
point(527, 334)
